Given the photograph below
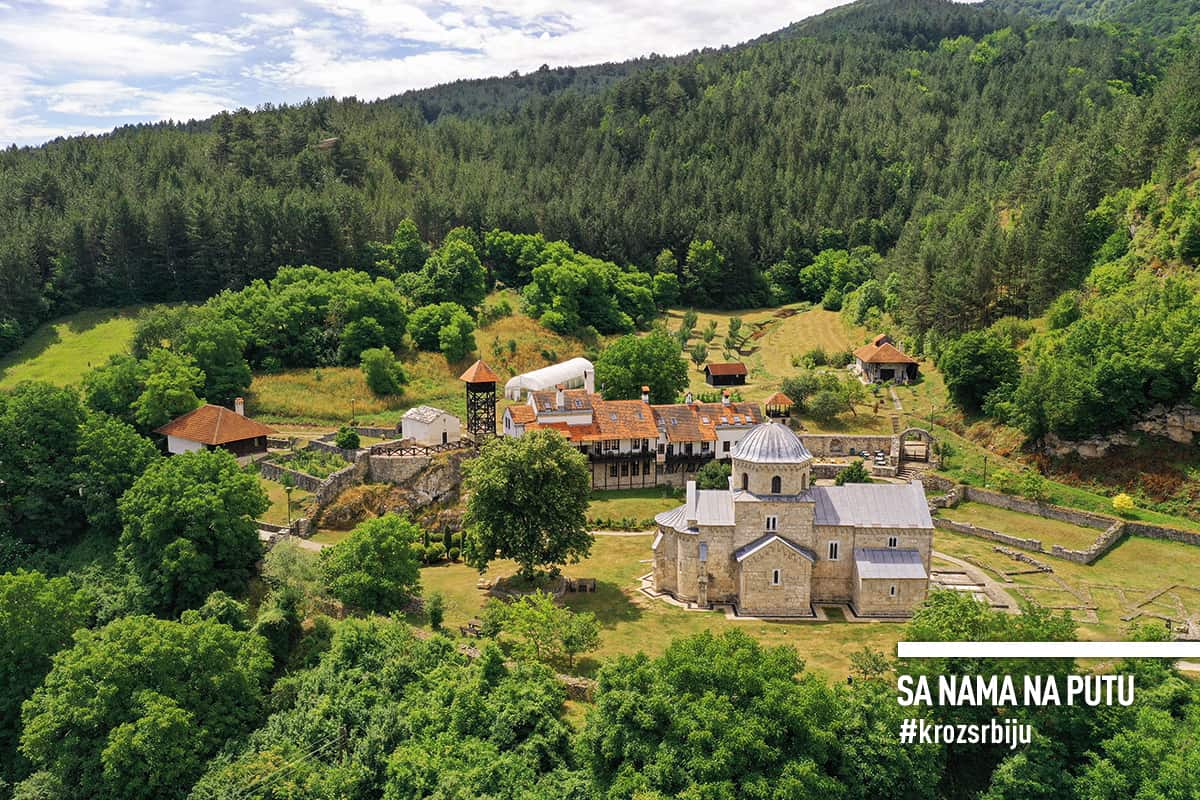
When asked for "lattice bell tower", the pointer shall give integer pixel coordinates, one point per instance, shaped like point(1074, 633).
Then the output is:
point(481, 400)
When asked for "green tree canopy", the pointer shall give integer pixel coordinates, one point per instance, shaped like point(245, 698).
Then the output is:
point(110, 456)
point(975, 364)
point(136, 708)
point(169, 382)
point(189, 527)
point(631, 362)
point(39, 434)
point(38, 615)
point(527, 500)
point(375, 568)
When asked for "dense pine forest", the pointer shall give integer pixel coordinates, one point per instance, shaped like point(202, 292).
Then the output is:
point(1011, 188)
point(882, 123)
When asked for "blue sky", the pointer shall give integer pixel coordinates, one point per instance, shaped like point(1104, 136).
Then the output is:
point(73, 66)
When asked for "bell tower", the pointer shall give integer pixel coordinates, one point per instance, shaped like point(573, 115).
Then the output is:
point(481, 400)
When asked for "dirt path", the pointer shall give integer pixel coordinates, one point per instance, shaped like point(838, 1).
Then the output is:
point(991, 587)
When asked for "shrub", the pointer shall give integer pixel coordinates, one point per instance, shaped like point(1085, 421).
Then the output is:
point(385, 375)
point(347, 438)
point(816, 357)
point(855, 473)
point(454, 553)
point(435, 552)
point(1123, 504)
point(825, 405)
point(435, 606)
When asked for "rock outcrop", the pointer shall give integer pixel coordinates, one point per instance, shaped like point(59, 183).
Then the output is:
point(1179, 423)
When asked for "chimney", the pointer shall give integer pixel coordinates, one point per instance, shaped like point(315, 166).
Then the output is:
point(645, 394)
point(687, 398)
point(239, 405)
point(560, 397)
point(589, 381)
point(725, 398)
point(690, 504)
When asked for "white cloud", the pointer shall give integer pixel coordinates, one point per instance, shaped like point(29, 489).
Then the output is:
point(72, 65)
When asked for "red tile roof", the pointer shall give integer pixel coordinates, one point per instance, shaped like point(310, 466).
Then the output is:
point(726, 368)
point(885, 353)
point(214, 425)
point(779, 399)
point(479, 372)
point(734, 414)
point(624, 419)
point(576, 401)
point(522, 414)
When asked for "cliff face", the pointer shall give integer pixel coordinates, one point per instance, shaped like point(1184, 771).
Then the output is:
point(429, 490)
point(1180, 424)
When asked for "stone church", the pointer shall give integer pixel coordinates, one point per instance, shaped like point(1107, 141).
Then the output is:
point(772, 544)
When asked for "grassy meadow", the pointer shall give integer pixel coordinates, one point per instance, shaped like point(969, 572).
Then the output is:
point(61, 352)
point(1047, 531)
point(632, 622)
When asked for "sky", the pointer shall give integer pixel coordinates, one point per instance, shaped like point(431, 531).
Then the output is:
point(87, 66)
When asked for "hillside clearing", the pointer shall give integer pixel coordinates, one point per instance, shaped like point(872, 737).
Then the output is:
point(61, 352)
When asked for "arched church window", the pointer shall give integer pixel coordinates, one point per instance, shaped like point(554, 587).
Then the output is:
point(745, 482)
point(776, 485)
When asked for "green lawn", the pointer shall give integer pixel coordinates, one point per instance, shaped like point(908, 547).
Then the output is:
point(1127, 574)
point(62, 351)
point(638, 504)
point(278, 513)
point(1029, 526)
point(633, 622)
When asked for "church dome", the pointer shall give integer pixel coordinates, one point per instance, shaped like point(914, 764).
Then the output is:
point(771, 443)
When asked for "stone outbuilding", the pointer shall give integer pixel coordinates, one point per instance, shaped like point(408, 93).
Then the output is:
point(430, 426)
point(772, 544)
point(881, 361)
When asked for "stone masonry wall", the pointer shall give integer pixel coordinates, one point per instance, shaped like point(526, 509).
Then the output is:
point(1049, 511)
point(1161, 532)
point(988, 533)
point(1105, 542)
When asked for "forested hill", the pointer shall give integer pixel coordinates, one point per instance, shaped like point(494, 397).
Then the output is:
point(978, 142)
point(1157, 17)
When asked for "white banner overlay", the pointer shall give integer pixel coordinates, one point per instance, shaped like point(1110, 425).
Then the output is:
point(1185, 650)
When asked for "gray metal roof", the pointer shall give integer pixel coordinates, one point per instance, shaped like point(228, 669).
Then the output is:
point(747, 550)
point(771, 443)
point(704, 506)
point(888, 562)
point(872, 505)
point(426, 414)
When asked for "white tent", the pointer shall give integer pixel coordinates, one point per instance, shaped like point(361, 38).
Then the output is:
point(571, 374)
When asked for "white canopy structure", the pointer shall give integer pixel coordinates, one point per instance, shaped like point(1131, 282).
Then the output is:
point(571, 374)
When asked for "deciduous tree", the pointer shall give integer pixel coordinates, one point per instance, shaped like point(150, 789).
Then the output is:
point(527, 500)
point(189, 527)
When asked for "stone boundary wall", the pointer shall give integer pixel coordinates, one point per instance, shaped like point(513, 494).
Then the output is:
point(835, 444)
point(397, 470)
point(938, 484)
point(350, 475)
point(1084, 519)
point(988, 533)
point(1105, 542)
point(1162, 532)
point(377, 432)
point(279, 442)
point(1113, 529)
point(327, 489)
point(325, 444)
point(301, 527)
point(275, 472)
